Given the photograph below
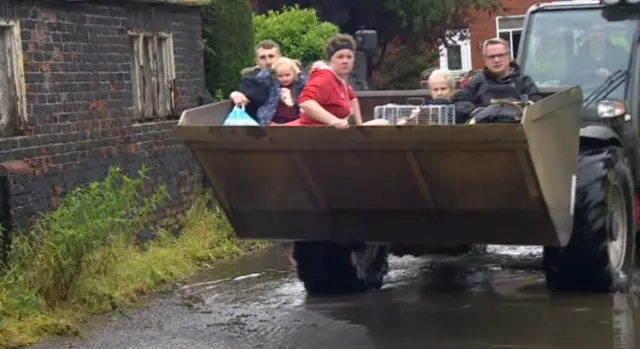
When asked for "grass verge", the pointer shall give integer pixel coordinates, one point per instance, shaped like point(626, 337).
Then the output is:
point(84, 258)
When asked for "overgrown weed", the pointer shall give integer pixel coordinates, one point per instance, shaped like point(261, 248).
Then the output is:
point(84, 258)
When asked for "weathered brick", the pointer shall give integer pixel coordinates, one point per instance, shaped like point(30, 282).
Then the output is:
point(483, 27)
point(77, 64)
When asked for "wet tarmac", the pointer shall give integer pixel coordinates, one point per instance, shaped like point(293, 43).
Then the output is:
point(494, 300)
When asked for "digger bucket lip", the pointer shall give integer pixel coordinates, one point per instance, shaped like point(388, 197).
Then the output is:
point(307, 137)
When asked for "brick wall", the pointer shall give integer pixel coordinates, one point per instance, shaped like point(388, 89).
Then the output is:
point(483, 27)
point(77, 64)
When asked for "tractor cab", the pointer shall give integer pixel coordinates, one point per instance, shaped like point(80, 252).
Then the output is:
point(585, 43)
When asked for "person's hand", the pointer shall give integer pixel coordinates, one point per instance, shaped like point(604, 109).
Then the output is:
point(340, 124)
point(603, 72)
point(413, 117)
point(239, 99)
point(285, 96)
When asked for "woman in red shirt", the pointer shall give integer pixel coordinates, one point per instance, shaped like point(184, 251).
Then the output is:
point(328, 99)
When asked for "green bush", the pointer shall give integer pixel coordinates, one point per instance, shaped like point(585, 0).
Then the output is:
point(299, 32)
point(227, 43)
point(85, 257)
point(50, 258)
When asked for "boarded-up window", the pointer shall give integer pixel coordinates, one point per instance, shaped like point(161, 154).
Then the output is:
point(153, 74)
point(13, 109)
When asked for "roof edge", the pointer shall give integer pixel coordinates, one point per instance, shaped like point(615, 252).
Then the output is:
point(185, 3)
point(175, 2)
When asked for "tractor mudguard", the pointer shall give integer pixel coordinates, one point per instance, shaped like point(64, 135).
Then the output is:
point(602, 133)
point(436, 184)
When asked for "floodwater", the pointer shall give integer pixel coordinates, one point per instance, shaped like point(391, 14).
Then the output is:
point(493, 300)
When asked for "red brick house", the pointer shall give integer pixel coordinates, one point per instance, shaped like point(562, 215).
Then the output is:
point(467, 54)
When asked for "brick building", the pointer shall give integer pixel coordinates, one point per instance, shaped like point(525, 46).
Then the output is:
point(93, 84)
point(467, 54)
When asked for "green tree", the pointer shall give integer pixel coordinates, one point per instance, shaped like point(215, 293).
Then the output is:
point(408, 30)
point(299, 32)
point(227, 30)
point(410, 22)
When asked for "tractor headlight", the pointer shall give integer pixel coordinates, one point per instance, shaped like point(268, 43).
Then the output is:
point(609, 109)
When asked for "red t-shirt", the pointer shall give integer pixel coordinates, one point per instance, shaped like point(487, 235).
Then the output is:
point(329, 91)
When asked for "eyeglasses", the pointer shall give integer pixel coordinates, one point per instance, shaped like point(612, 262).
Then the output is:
point(497, 55)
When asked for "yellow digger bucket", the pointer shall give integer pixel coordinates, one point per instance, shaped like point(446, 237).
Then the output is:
point(449, 184)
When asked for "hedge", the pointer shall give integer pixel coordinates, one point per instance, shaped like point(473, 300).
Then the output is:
point(231, 31)
point(299, 32)
point(227, 31)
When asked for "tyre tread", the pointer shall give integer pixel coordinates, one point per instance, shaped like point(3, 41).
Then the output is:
point(583, 265)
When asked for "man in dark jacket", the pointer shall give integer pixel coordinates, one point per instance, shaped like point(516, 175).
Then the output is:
point(252, 93)
point(500, 79)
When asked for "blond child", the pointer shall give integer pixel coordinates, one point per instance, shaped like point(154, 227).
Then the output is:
point(441, 88)
point(284, 80)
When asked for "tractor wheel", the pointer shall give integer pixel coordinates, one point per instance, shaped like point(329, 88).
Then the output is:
point(600, 254)
point(329, 268)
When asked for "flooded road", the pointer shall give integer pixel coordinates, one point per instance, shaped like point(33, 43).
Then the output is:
point(494, 300)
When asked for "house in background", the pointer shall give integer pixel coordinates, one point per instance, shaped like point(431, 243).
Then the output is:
point(466, 54)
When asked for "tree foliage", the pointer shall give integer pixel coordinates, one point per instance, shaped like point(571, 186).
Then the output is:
point(299, 32)
point(227, 30)
point(413, 22)
point(408, 30)
point(403, 70)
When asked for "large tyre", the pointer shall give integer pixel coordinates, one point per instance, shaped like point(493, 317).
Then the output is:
point(329, 268)
point(600, 254)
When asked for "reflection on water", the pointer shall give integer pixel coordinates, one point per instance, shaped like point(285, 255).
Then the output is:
point(623, 321)
point(438, 320)
point(493, 301)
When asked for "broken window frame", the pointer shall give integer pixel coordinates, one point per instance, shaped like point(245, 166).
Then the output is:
point(154, 100)
point(10, 32)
